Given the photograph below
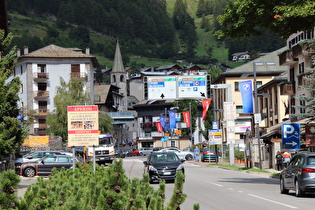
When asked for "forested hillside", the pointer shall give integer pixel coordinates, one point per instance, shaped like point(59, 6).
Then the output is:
point(163, 29)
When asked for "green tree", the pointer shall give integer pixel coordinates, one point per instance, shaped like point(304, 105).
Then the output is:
point(71, 94)
point(243, 18)
point(307, 101)
point(9, 181)
point(12, 131)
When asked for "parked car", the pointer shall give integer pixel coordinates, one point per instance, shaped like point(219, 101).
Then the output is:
point(209, 154)
point(33, 157)
point(145, 151)
point(163, 165)
point(186, 155)
point(44, 165)
point(119, 153)
point(299, 175)
point(135, 152)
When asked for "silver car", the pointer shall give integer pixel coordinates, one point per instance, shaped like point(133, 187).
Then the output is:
point(145, 151)
point(185, 155)
point(299, 175)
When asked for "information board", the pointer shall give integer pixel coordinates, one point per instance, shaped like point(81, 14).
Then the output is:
point(82, 125)
point(162, 88)
point(192, 86)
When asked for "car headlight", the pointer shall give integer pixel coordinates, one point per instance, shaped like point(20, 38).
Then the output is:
point(151, 168)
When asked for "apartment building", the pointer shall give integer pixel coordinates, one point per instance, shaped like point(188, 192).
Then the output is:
point(40, 72)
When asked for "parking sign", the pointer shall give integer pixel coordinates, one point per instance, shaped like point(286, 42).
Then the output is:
point(291, 135)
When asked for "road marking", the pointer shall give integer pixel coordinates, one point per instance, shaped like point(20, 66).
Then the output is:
point(272, 201)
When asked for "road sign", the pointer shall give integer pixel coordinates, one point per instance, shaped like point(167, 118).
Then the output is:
point(291, 135)
point(229, 109)
point(215, 136)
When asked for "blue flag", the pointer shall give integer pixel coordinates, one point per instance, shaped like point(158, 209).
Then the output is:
point(247, 96)
point(162, 121)
point(172, 115)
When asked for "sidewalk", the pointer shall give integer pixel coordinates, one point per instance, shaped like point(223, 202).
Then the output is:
point(206, 164)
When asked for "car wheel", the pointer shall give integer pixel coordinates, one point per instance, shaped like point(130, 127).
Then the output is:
point(29, 172)
point(298, 191)
point(282, 188)
point(189, 157)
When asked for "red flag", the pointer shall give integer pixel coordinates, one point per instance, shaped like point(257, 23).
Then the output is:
point(205, 104)
point(159, 127)
point(186, 116)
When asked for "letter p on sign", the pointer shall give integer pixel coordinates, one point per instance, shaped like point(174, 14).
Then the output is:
point(288, 129)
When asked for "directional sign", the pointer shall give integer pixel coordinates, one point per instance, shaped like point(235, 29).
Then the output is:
point(291, 135)
point(162, 88)
point(215, 136)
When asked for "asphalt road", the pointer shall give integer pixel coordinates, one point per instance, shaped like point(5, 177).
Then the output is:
point(216, 188)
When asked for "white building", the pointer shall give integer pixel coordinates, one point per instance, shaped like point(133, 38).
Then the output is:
point(40, 72)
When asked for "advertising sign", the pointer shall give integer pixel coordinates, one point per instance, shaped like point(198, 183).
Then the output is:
point(82, 125)
point(291, 135)
point(192, 86)
point(177, 87)
point(162, 88)
point(310, 135)
point(215, 136)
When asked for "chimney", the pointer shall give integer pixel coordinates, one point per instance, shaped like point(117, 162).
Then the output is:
point(18, 52)
point(87, 51)
point(25, 50)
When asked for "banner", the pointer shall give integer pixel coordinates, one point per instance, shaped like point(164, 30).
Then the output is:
point(247, 96)
point(162, 121)
point(159, 127)
point(172, 116)
point(205, 104)
point(186, 116)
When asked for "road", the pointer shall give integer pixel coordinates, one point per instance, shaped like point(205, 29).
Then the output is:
point(216, 188)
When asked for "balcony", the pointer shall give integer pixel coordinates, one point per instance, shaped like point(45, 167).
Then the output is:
point(78, 75)
point(287, 58)
point(287, 89)
point(40, 76)
point(41, 94)
point(42, 112)
point(303, 50)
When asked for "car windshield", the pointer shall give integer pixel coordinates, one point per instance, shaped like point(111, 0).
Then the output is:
point(163, 157)
point(206, 149)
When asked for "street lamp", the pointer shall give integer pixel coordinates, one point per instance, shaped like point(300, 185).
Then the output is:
point(257, 115)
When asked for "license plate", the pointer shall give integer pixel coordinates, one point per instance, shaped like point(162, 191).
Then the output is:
point(167, 173)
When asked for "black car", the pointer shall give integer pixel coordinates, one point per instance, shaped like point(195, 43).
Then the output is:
point(43, 166)
point(299, 175)
point(163, 165)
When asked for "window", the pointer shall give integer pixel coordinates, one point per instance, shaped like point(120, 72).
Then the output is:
point(75, 70)
point(21, 88)
point(301, 71)
point(42, 86)
point(41, 68)
point(122, 79)
point(50, 160)
point(302, 104)
point(63, 160)
point(236, 86)
point(258, 84)
point(21, 69)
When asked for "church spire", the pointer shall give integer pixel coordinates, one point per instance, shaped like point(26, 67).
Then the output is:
point(118, 65)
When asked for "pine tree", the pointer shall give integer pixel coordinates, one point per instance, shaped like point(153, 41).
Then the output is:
point(307, 101)
point(12, 131)
point(8, 183)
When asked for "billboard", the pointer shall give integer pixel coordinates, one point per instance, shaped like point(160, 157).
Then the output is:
point(82, 125)
point(177, 87)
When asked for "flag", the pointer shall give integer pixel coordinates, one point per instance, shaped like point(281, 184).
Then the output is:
point(162, 121)
point(186, 116)
point(172, 116)
point(205, 104)
point(159, 127)
point(247, 96)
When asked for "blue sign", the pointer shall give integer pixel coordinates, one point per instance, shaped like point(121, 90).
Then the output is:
point(291, 135)
point(215, 125)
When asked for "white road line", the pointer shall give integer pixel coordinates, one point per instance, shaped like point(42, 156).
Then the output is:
point(272, 201)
